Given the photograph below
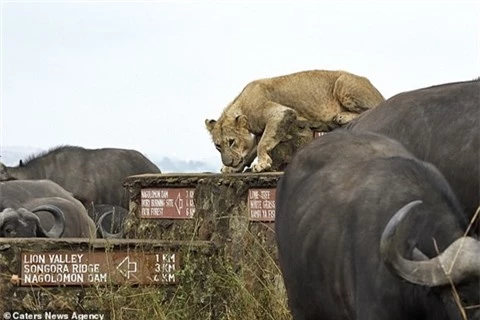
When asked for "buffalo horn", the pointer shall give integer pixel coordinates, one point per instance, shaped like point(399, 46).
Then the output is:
point(59, 225)
point(105, 234)
point(457, 262)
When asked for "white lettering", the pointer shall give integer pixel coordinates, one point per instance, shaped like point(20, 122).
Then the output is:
point(156, 212)
point(65, 258)
point(168, 258)
point(255, 214)
point(34, 258)
point(25, 316)
point(268, 214)
point(168, 278)
point(168, 268)
point(150, 194)
point(268, 204)
point(190, 212)
point(256, 204)
point(163, 194)
point(253, 194)
point(55, 316)
point(158, 203)
point(53, 278)
point(97, 277)
point(90, 316)
point(45, 268)
point(86, 268)
point(265, 194)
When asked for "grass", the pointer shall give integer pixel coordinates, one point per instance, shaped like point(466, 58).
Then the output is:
point(463, 309)
point(212, 287)
point(213, 284)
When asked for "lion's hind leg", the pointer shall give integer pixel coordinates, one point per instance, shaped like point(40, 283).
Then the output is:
point(356, 94)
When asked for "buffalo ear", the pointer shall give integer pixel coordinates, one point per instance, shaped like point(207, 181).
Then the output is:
point(210, 123)
point(242, 122)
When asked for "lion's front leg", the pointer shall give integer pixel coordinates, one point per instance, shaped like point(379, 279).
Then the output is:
point(278, 120)
point(226, 169)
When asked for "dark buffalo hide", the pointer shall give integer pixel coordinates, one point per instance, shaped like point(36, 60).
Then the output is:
point(333, 203)
point(439, 124)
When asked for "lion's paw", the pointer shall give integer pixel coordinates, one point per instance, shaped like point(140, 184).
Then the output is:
point(226, 169)
point(262, 166)
point(343, 118)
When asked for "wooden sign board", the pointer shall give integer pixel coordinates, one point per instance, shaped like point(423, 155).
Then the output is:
point(98, 268)
point(261, 204)
point(167, 203)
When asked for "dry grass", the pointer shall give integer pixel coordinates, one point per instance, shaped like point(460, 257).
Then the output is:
point(212, 285)
point(448, 271)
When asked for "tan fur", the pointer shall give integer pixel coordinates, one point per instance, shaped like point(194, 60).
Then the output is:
point(255, 122)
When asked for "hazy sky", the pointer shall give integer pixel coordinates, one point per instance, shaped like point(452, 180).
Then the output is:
point(145, 75)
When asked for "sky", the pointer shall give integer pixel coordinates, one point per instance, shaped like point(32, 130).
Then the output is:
point(145, 75)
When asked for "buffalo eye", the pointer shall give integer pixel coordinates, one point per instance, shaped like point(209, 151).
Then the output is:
point(231, 142)
point(9, 230)
point(219, 148)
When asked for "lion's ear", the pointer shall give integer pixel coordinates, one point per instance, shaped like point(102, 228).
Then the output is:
point(242, 122)
point(210, 124)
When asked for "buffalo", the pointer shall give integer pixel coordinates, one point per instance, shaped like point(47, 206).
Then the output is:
point(91, 175)
point(439, 124)
point(109, 220)
point(41, 208)
point(22, 223)
point(354, 214)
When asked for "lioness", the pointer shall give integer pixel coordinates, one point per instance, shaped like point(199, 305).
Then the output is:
point(256, 121)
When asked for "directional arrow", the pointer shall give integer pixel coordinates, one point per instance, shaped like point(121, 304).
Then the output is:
point(130, 266)
point(179, 204)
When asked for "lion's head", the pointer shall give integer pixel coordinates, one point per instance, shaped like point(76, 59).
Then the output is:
point(232, 138)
